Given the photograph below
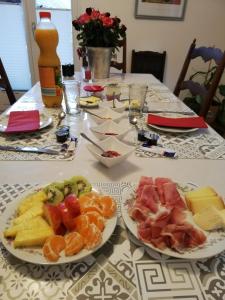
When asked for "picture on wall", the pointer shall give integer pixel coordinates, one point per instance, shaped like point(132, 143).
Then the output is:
point(160, 9)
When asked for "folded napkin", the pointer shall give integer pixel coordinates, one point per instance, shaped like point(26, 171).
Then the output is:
point(21, 121)
point(186, 122)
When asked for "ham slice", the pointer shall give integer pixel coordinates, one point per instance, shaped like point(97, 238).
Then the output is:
point(172, 196)
point(159, 181)
point(138, 213)
point(149, 198)
point(143, 181)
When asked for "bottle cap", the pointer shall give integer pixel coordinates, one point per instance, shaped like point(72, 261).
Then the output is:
point(45, 14)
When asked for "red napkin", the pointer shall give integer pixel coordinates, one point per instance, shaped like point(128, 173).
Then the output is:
point(186, 122)
point(21, 121)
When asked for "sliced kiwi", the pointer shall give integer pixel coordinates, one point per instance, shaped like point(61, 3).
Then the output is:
point(70, 187)
point(83, 186)
point(54, 195)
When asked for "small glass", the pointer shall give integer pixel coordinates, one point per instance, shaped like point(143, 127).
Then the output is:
point(71, 90)
point(137, 95)
point(112, 92)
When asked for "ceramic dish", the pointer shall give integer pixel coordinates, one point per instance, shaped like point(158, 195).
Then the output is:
point(109, 128)
point(34, 254)
point(103, 114)
point(89, 102)
point(172, 129)
point(215, 239)
point(44, 122)
point(93, 88)
point(112, 144)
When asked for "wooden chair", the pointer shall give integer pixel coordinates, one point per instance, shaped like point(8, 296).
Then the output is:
point(121, 65)
point(5, 84)
point(148, 62)
point(205, 92)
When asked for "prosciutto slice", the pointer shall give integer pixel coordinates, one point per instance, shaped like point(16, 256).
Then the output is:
point(159, 181)
point(143, 181)
point(172, 196)
point(149, 198)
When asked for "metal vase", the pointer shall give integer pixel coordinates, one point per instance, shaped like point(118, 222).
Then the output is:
point(99, 61)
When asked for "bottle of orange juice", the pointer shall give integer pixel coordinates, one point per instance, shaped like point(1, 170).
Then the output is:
point(49, 65)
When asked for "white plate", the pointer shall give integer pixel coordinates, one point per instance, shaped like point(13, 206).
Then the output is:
point(172, 129)
point(215, 240)
point(44, 122)
point(84, 103)
point(34, 255)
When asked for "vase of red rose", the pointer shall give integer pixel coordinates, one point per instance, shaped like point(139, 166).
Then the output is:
point(100, 35)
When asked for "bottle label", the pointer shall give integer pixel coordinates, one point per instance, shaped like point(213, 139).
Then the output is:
point(51, 81)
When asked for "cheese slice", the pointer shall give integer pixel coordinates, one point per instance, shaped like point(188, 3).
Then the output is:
point(201, 192)
point(197, 205)
point(210, 218)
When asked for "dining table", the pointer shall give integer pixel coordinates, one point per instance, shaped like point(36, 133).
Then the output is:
point(123, 267)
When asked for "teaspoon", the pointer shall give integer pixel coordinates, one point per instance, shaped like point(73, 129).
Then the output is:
point(91, 141)
point(61, 116)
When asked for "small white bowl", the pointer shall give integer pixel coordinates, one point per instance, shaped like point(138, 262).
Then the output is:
point(109, 128)
point(114, 144)
point(104, 115)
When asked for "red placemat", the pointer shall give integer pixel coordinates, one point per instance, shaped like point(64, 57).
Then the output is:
point(21, 121)
point(190, 122)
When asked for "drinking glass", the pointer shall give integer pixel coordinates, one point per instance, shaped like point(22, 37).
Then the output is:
point(112, 91)
point(71, 89)
point(137, 95)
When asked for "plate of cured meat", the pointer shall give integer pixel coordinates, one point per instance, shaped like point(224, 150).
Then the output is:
point(169, 218)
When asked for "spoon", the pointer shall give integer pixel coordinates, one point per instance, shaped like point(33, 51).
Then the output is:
point(61, 116)
point(133, 120)
point(104, 153)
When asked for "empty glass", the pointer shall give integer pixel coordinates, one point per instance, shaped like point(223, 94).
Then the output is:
point(71, 89)
point(137, 95)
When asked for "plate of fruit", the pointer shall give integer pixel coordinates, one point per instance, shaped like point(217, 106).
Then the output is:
point(177, 220)
point(58, 223)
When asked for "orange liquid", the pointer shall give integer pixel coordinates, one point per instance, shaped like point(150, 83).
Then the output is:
point(49, 67)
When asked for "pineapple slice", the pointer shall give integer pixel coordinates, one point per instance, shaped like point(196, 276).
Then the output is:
point(34, 211)
point(33, 237)
point(31, 200)
point(27, 224)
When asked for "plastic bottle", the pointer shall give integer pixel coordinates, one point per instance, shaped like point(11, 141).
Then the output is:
point(49, 65)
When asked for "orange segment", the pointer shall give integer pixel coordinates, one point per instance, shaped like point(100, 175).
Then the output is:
point(81, 224)
point(97, 219)
point(88, 202)
point(93, 237)
point(53, 246)
point(74, 243)
point(107, 206)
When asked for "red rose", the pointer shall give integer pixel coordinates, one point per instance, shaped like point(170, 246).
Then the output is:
point(83, 19)
point(107, 22)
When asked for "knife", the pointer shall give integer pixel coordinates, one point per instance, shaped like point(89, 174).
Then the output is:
point(188, 113)
point(28, 149)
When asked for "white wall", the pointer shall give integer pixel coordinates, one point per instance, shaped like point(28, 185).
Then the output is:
point(204, 20)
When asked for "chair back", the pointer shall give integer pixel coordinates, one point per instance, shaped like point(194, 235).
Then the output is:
point(205, 91)
point(5, 84)
point(148, 62)
point(123, 64)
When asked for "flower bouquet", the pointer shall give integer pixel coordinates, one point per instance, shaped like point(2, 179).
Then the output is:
point(98, 29)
